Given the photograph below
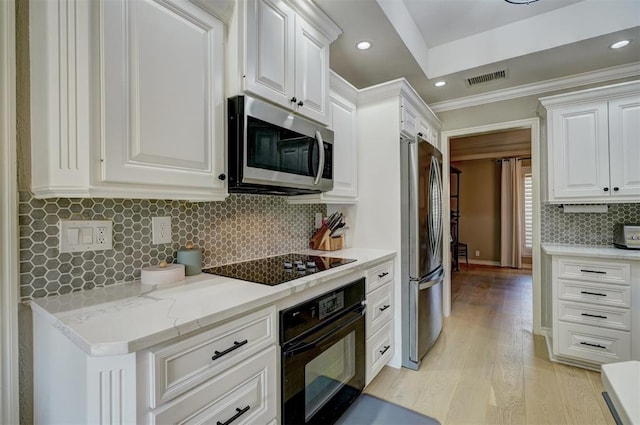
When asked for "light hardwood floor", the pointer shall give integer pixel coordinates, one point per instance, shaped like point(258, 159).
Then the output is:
point(487, 367)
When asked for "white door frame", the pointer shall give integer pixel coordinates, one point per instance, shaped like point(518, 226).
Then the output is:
point(534, 125)
point(9, 399)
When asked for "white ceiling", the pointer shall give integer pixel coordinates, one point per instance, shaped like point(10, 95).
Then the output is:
point(429, 40)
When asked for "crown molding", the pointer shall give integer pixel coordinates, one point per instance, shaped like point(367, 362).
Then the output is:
point(595, 77)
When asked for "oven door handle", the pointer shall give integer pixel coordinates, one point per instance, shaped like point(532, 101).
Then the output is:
point(296, 349)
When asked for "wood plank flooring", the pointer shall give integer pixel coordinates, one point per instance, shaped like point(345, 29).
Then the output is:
point(487, 367)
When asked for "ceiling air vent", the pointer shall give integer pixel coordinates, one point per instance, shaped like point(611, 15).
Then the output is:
point(485, 78)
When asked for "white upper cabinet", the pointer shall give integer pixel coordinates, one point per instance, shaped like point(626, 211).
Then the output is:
point(270, 66)
point(145, 105)
point(624, 145)
point(593, 144)
point(162, 103)
point(286, 56)
point(343, 122)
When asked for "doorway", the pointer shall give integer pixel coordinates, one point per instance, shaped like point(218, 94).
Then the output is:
point(532, 127)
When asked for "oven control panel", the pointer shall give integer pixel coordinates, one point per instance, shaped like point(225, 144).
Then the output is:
point(330, 304)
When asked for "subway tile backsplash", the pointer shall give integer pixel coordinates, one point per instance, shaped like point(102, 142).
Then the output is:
point(241, 228)
point(593, 229)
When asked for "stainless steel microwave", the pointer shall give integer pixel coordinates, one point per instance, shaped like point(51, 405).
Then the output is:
point(273, 151)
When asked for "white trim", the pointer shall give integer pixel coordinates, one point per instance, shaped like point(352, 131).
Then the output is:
point(534, 125)
point(607, 74)
point(9, 398)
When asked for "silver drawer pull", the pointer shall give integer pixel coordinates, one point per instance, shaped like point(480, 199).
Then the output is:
point(236, 416)
point(384, 350)
point(381, 275)
point(598, 316)
point(593, 293)
point(236, 345)
point(593, 345)
point(383, 308)
point(592, 271)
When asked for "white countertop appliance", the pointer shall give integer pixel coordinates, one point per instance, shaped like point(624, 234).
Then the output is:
point(626, 236)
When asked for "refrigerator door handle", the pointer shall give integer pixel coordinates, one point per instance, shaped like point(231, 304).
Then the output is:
point(413, 218)
point(432, 281)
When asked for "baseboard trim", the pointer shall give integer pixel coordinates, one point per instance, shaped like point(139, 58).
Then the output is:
point(483, 262)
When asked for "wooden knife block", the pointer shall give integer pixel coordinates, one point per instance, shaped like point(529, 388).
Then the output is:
point(322, 241)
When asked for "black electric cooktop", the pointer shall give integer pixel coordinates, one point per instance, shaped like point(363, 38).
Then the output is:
point(279, 269)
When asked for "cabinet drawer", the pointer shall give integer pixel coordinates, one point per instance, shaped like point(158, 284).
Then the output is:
point(379, 275)
point(589, 314)
point(601, 294)
point(379, 307)
point(379, 350)
point(246, 391)
point(593, 344)
point(183, 365)
point(596, 271)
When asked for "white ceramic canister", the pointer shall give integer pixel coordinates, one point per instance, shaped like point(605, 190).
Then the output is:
point(191, 257)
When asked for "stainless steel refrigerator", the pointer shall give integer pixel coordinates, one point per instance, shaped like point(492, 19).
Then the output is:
point(422, 245)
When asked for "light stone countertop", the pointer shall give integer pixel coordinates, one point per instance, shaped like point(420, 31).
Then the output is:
point(124, 318)
point(608, 251)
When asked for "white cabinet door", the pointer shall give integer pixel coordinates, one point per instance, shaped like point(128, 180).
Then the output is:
point(624, 146)
point(345, 155)
point(161, 88)
point(408, 118)
point(270, 49)
point(312, 72)
point(580, 152)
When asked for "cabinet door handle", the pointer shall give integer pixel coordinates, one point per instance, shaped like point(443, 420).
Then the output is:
point(598, 316)
point(606, 189)
point(384, 350)
point(383, 308)
point(293, 99)
point(236, 416)
point(301, 103)
point(593, 345)
point(222, 177)
point(593, 293)
point(592, 271)
point(236, 345)
point(381, 275)
point(615, 189)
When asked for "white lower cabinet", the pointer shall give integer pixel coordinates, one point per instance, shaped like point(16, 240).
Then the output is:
point(594, 305)
point(207, 376)
point(228, 371)
point(379, 322)
point(243, 394)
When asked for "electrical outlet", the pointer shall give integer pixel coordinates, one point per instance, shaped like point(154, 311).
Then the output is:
point(477, 253)
point(85, 235)
point(161, 230)
point(101, 236)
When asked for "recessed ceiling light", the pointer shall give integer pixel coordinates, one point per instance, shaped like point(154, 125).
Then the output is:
point(440, 83)
point(619, 44)
point(363, 45)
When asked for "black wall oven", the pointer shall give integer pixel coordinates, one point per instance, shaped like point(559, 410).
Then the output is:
point(273, 151)
point(323, 349)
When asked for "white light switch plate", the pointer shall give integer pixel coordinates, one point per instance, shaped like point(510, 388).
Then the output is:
point(85, 235)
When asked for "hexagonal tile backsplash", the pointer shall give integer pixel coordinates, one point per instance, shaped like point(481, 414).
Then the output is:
point(593, 229)
point(241, 228)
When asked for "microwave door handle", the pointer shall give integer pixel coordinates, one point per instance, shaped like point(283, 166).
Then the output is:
point(321, 158)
